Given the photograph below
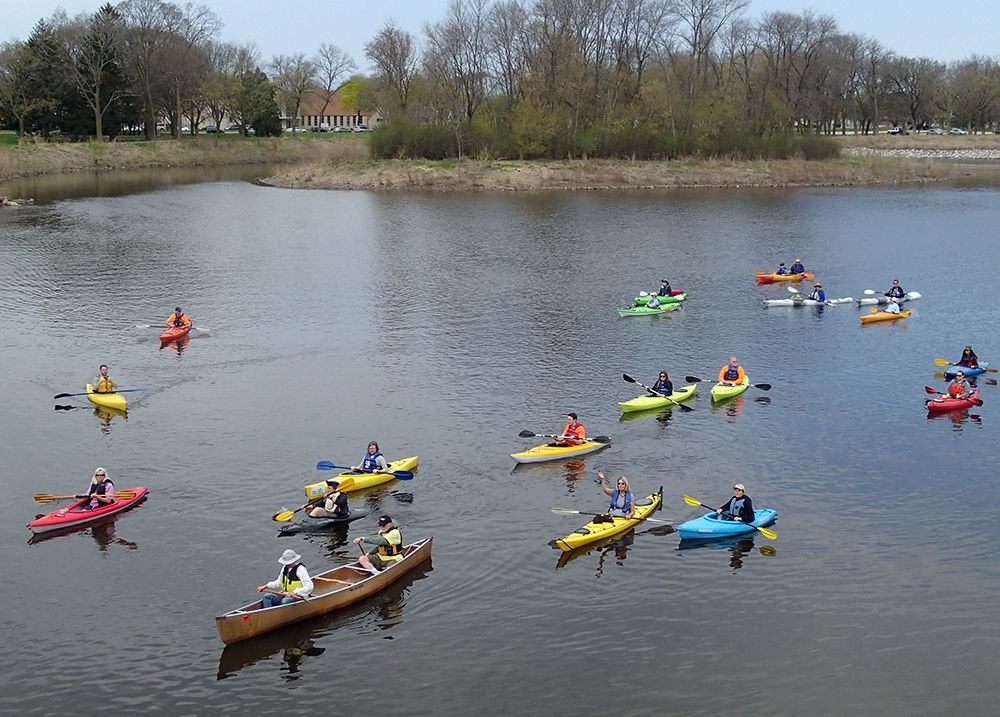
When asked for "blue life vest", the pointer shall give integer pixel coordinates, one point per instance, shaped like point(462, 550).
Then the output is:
point(732, 373)
point(369, 462)
point(623, 508)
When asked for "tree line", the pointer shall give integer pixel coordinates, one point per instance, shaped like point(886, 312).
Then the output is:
point(504, 78)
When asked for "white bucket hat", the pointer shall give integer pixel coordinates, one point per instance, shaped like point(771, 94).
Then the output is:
point(288, 557)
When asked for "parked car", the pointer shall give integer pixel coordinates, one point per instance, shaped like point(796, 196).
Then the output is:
point(213, 130)
point(233, 128)
point(957, 130)
point(935, 130)
point(896, 130)
point(341, 129)
point(363, 128)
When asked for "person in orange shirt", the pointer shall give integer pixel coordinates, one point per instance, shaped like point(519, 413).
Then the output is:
point(178, 319)
point(574, 434)
point(732, 373)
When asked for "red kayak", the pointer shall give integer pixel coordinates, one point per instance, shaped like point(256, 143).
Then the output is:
point(174, 333)
point(74, 515)
point(954, 404)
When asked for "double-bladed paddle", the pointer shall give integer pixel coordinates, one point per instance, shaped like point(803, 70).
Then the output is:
point(107, 393)
point(596, 439)
point(286, 515)
point(942, 362)
point(761, 386)
point(196, 328)
point(570, 511)
point(47, 498)
point(328, 466)
point(764, 531)
point(657, 393)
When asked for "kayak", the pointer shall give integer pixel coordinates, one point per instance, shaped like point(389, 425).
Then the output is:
point(675, 296)
point(335, 588)
point(364, 480)
point(883, 316)
point(74, 515)
point(592, 531)
point(806, 302)
point(108, 400)
point(767, 278)
point(174, 333)
point(953, 404)
point(712, 525)
point(646, 311)
point(722, 391)
point(643, 403)
point(883, 300)
point(954, 368)
point(557, 451)
point(308, 524)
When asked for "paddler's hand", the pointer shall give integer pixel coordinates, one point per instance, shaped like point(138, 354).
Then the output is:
point(357, 541)
point(262, 588)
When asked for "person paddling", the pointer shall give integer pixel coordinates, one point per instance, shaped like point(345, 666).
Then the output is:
point(102, 382)
point(574, 433)
point(373, 462)
point(334, 503)
point(665, 288)
point(739, 507)
point(969, 358)
point(178, 319)
point(293, 582)
point(663, 385)
point(818, 294)
point(896, 292)
point(654, 301)
point(100, 492)
point(388, 546)
point(797, 267)
point(622, 501)
point(732, 374)
point(782, 270)
point(893, 307)
point(958, 388)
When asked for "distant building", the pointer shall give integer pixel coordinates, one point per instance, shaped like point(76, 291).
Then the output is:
point(332, 117)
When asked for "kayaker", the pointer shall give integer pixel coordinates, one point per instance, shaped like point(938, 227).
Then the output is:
point(665, 288)
point(732, 373)
point(893, 307)
point(818, 294)
point(969, 358)
point(654, 302)
point(958, 388)
point(739, 507)
point(782, 271)
point(663, 385)
point(102, 382)
point(622, 501)
point(293, 582)
point(178, 319)
point(797, 267)
point(388, 546)
point(334, 503)
point(574, 433)
point(896, 292)
point(100, 491)
point(373, 462)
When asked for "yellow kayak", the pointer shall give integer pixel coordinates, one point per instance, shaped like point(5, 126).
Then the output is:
point(558, 451)
point(364, 480)
point(593, 532)
point(108, 400)
point(883, 316)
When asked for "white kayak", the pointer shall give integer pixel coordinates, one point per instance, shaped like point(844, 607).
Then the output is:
point(872, 300)
point(806, 302)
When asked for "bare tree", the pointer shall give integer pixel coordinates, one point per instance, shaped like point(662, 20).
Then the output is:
point(458, 53)
point(151, 29)
point(293, 75)
point(16, 97)
point(915, 84)
point(332, 65)
point(393, 53)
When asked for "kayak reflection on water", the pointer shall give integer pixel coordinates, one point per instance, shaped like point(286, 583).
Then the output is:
point(738, 548)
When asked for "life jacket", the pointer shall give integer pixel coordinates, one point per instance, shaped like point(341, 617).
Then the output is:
point(575, 431)
point(395, 546)
point(181, 320)
point(339, 503)
point(625, 499)
point(797, 269)
point(817, 296)
point(665, 290)
point(289, 579)
point(104, 385)
point(99, 488)
point(663, 387)
point(732, 373)
point(736, 506)
point(370, 461)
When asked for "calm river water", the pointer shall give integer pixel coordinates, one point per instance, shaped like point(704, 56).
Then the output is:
point(442, 325)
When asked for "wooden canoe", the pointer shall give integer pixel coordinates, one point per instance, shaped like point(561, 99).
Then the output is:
point(333, 589)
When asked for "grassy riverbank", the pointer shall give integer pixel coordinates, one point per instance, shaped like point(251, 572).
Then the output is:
point(342, 162)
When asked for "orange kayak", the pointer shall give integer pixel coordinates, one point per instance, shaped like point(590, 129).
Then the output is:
point(883, 316)
point(767, 278)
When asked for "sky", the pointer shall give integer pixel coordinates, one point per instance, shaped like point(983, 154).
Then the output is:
point(943, 30)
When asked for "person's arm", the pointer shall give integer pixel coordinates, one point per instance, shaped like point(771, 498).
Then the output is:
point(382, 465)
point(668, 388)
point(740, 375)
point(273, 585)
point(725, 508)
point(747, 513)
point(631, 505)
point(722, 373)
point(109, 494)
point(607, 491)
point(307, 582)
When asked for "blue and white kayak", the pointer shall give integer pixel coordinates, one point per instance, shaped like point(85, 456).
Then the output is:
point(953, 369)
point(711, 525)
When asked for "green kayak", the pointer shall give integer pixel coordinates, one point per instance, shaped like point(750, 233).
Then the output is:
point(643, 298)
point(722, 391)
point(646, 311)
point(643, 403)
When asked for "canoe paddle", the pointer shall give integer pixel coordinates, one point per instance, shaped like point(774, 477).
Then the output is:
point(328, 466)
point(761, 386)
point(126, 390)
point(286, 515)
point(942, 362)
point(47, 498)
point(595, 439)
point(657, 393)
point(570, 511)
point(764, 531)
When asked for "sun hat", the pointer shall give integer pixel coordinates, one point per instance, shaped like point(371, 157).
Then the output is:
point(738, 486)
point(289, 556)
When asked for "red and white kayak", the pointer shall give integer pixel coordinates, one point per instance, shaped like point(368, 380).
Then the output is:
point(954, 404)
point(74, 515)
point(174, 333)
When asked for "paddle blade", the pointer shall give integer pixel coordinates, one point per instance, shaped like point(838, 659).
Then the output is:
point(990, 370)
point(763, 386)
point(869, 292)
point(629, 378)
point(768, 550)
point(768, 533)
point(564, 511)
point(142, 326)
point(686, 409)
point(942, 362)
point(403, 475)
point(928, 389)
point(691, 501)
point(63, 395)
point(345, 485)
point(977, 402)
point(283, 517)
point(325, 466)
point(873, 310)
point(692, 379)
point(44, 497)
point(600, 439)
point(527, 434)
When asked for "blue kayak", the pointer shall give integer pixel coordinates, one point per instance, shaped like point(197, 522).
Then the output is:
point(953, 369)
point(711, 525)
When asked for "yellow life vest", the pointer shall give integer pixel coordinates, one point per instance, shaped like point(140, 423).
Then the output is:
point(394, 550)
point(290, 582)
